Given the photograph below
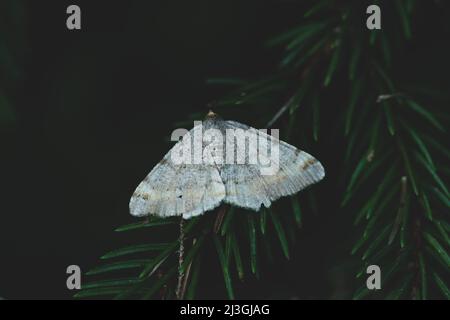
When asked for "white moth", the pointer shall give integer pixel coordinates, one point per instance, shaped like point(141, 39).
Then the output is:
point(190, 189)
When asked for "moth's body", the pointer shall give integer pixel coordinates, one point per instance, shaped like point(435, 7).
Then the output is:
point(192, 189)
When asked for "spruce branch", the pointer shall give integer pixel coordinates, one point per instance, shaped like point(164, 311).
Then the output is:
point(181, 274)
point(394, 169)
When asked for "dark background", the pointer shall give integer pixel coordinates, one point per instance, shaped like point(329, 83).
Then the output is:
point(93, 109)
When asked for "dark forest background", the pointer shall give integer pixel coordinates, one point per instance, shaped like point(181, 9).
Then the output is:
point(86, 114)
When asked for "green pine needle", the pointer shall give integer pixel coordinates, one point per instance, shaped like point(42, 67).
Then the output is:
point(224, 265)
